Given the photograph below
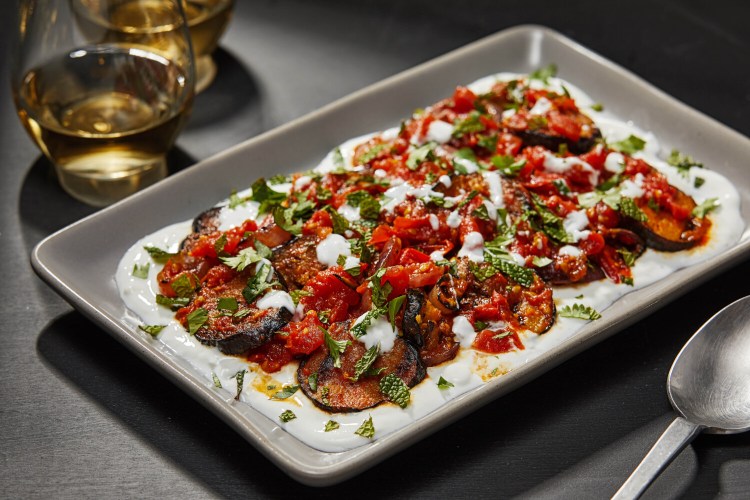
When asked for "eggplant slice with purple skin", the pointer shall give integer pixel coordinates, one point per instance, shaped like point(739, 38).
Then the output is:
point(297, 261)
point(335, 389)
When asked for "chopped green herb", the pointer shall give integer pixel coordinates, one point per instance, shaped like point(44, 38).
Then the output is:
point(331, 425)
point(173, 303)
point(371, 154)
point(286, 392)
point(627, 256)
point(312, 381)
point(297, 294)
point(471, 124)
point(340, 224)
point(393, 388)
point(488, 142)
point(196, 320)
point(394, 306)
point(324, 316)
point(338, 159)
point(367, 429)
point(541, 261)
point(597, 106)
point(472, 194)
point(704, 208)
point(158, 254)
point(360, 329)
point(141, 271)
point(335, 347)
point(522, 275)
point(579, 311)
point(683, 163)
point(537, 122)
point(217, 382)
point(219, 244)
point(562, 186)
point(419, 155)
point(627, 280)
point(630, 145)
point(481, 212)
point(183, 286)
point(257, 284)
point(444, 384)
point(507, 165)
point(630, 209)
point(287, 416)
point(291, 219)
point(545, 73)
point(267, 197)
point(240, 378)
point(698, 182)
point(279, 179)
point(380, 292)
point(152, 330)
point(324, 395)
point(228, 304)
point(365, 362)
point(369, 207)
point(244, 258)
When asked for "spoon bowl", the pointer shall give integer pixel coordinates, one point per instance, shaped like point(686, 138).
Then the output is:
point(708, 386)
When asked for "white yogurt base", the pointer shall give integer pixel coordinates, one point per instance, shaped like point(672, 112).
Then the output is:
point(470, 369)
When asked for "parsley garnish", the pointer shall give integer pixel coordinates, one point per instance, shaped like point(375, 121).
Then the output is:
point(367, 429)
point(630, 145)
point(331, 425)
point(152, 330)
point(244, 258)
point(291, 219)
point(335, 347)
point(704, 208)
point(196, 320)
point(141, 271)
point(392, 387)
point(444, 384)
point(287, 416)
point(285, 392)
point(371, 154)
point(579, 311)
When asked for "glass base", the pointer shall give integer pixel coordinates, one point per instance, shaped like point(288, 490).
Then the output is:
point(105, 179)
point(205, 72)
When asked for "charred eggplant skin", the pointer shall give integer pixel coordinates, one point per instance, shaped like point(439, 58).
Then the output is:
point(249, 335)
point(554, 142)
point(415, 300)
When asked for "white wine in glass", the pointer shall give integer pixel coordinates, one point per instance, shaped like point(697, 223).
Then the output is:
point(104, 113)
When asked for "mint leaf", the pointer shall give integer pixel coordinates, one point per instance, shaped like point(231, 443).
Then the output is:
point(183, 286)
point(331, 425)
point(393, 388)
point(471, 124)
point(240, 378)
point(217, 382)
point(360, 329)
point(419, 155)
point(544, 74)
point(312, 381)
point(365, 362)
point(287, 416)
point(444, 384)
point(158, 254)
point(152, 330)
point(630, 209)
point(579, 311)
point(196, 320)
point(335, 347)
point(704, 208)
point(340, 224)
point(257, 284)
point(267, 197)
point(369, 207)
point(367, 429)
point(394, 306)
point(631, 145)
point(141, 271)
point(172, 303)
point(285, 392)
point(244, 258)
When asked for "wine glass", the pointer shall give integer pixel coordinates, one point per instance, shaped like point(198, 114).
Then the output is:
point(207, 21)
point(103, 87)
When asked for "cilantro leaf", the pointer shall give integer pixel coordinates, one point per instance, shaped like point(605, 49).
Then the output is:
point(244, 258)
point(579, 311)
point(393, 388)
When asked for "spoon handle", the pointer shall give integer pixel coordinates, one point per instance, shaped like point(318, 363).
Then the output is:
point(679, 433)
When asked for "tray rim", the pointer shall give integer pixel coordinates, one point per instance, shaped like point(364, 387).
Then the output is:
point(329, 468)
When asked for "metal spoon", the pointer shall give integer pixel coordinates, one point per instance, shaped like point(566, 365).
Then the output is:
point(708, 386)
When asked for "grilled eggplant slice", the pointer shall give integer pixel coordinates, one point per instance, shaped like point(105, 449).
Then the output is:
point(233, 332)
point(426, 327)
point(297, 261)
point(662, 231)
point(333, 389)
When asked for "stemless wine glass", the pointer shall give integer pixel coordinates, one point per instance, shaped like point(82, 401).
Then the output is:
point(207, 21)
point(103, 87)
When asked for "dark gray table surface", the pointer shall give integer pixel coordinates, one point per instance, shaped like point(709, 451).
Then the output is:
point(80, 416)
